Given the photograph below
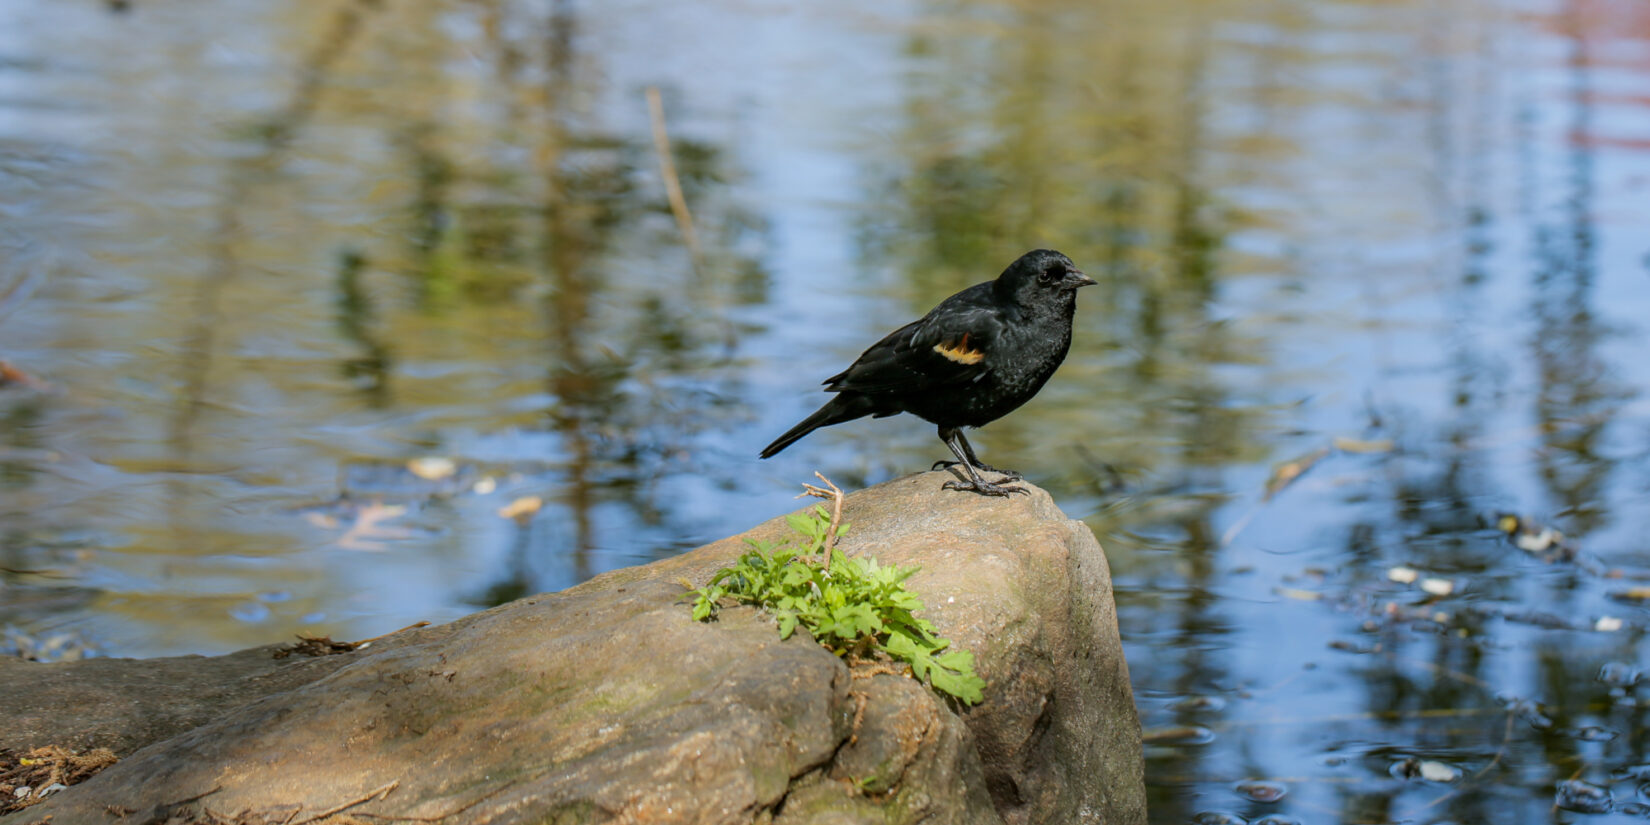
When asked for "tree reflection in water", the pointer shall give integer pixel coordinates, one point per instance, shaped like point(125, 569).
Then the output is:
point(1403, 240)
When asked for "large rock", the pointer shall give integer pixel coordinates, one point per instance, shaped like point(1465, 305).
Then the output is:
point(124, 704)
point(607, 703)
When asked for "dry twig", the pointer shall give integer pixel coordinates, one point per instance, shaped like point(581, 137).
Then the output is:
point(835, 495)
point(378, 793)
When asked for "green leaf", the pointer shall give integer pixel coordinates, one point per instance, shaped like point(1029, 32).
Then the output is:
point(858, 603)
point(857, 620)
point(801, 524)
point(705, 605)
point(967, 687)
point(901, 647)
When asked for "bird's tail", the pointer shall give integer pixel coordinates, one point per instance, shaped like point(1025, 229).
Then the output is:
point(844, 407)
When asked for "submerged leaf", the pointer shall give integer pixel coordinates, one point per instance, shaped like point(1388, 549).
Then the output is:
point(1286, 473)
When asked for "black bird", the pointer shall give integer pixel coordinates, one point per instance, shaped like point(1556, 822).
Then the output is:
point(973, 359)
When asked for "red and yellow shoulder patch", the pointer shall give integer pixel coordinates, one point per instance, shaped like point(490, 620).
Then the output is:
point(960, 351)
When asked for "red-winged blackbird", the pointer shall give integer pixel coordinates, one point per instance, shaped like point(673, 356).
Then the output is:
point(975, 358)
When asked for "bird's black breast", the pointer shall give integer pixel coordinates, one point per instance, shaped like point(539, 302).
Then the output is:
point(1025, 355)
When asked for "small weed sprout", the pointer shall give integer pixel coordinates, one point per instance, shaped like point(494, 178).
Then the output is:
point(856, 609)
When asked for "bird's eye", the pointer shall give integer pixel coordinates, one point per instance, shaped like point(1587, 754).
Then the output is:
point(1048, 275)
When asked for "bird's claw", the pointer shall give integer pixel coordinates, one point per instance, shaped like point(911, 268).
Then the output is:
point(1007, 475)
point(984, 488)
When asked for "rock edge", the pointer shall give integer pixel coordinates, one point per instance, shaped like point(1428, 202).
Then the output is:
point(607, 703)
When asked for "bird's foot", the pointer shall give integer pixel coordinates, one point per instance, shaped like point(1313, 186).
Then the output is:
point(1008, 475)
point(984, 488)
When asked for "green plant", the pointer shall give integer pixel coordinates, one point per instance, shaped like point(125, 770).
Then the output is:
point(855, 609)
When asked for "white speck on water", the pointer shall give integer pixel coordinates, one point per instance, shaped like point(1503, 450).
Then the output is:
point(1438, 772)
point(1438, 587)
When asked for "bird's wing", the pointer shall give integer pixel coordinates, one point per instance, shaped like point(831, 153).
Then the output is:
point(950, 346)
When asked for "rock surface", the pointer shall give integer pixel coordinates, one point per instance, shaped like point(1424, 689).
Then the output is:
point(607, 703)
point(124, 704)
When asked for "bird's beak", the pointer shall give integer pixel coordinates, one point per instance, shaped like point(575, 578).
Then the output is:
point(1075, 279)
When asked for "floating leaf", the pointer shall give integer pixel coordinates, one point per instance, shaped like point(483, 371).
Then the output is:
point(1286, 473)
point(522, 508)
point(1261, 790)
point(1595, 733)
point(432, 468)
point(10, 375)
point(1298, 594)
point(1403, 575)
point(1583, 797)
point(1425, 769)
point(1619, 674)
point(1357, 445)
point(1438, 587)
point(1632, 594)
point(1433, 771)
point(370, 531)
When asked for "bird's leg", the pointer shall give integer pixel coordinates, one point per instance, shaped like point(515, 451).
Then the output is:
point(968, 450)
point(969, 458)
point(953, 438)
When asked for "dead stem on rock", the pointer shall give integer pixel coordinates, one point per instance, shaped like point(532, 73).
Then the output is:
point(835, 496)
point(452, 813)
point(860, 701)
point(864, 669)
point(378, 793)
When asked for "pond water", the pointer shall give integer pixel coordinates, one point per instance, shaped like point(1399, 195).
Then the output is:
point(296, 298)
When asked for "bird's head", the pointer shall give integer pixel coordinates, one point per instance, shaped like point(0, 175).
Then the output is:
point(1041, 276)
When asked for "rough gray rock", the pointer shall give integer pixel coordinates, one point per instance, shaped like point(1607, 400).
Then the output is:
point(124, 704)
point(607, 703)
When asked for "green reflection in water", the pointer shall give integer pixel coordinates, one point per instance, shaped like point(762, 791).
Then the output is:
point(389, 254)
point(323, 239)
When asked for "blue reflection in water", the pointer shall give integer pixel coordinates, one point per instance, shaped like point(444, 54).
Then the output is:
point(336, 318)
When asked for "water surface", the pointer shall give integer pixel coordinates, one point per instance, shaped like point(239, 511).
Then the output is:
point(256, 258)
